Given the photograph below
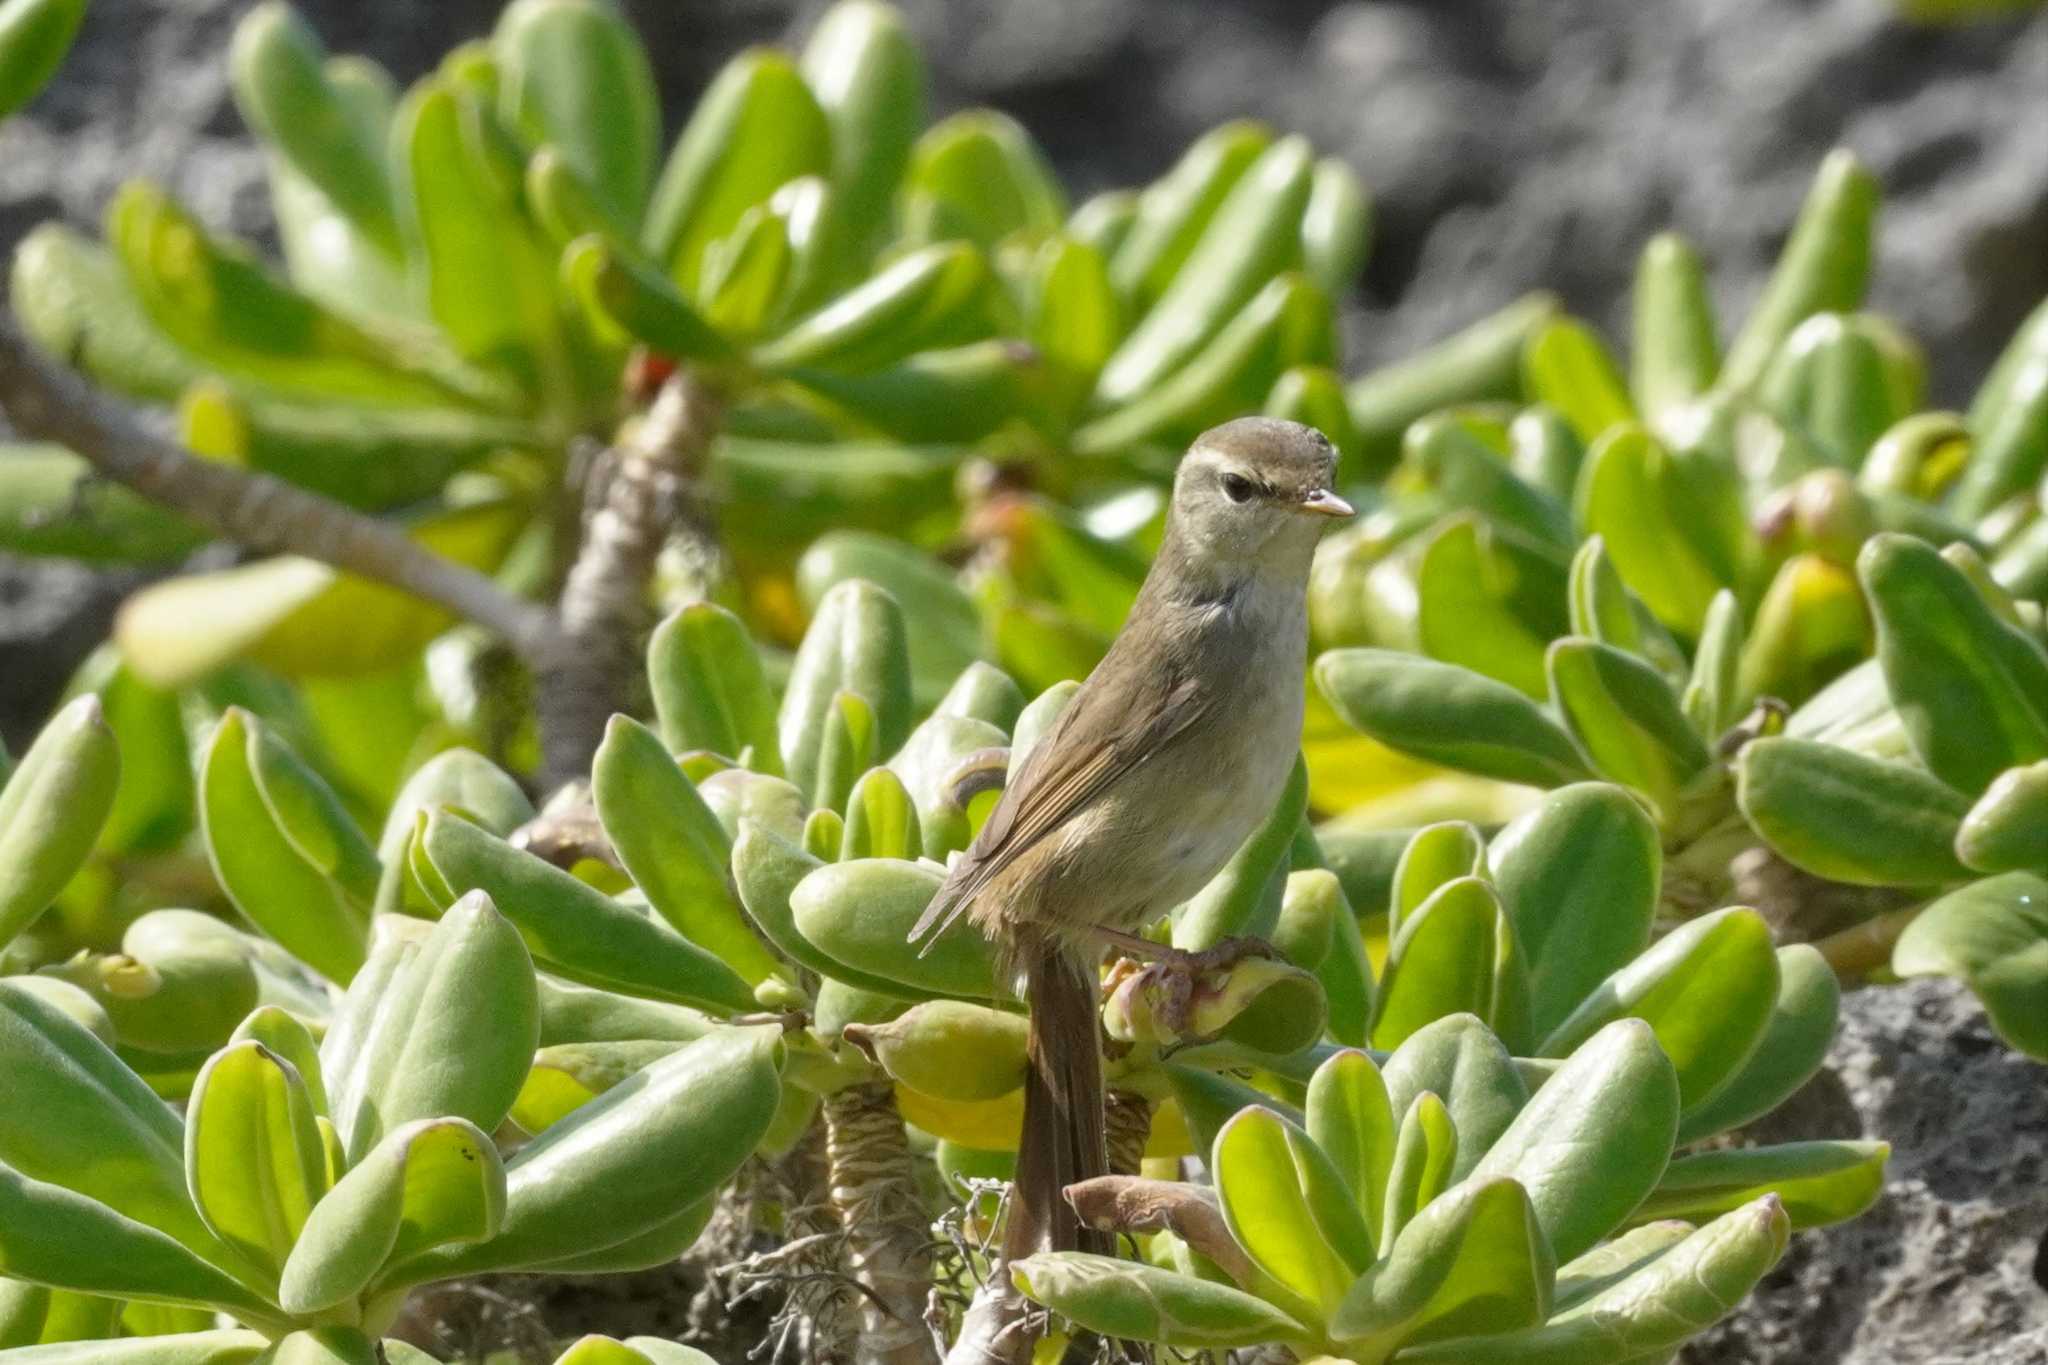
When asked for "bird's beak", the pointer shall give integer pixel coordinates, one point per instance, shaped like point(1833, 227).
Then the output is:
point(1324, 503)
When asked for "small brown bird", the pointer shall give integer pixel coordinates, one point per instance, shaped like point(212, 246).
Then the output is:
point(1166, 759)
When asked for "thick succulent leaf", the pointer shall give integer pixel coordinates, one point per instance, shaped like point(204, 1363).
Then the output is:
point(1473, 1261)
point(575, 930)
point(34, 36)
point(1992, 934)
point(1462, 1062)
point(254, 1160)
point(1627, 719)
point(285, 851)
point(1285, 1204)
point(1816, 1183)
point(1708, 990)
point(768, 866)
point(1253, 235)
point(572, 73)
point(1448, 715)
point(1345, 971)
point(1850, 818)
point(1595, 1139)
point(95, 1127)
point(1134, 1302)
point(1822, 268)
point(218, 1347)
point(1351, 1119)
point(448, 1032)
point(1075, 320)
point(1424, 1150)
point(949, 1049)
point(285, 91)
point(660, 1245)
point(1175, 210)
point(1570, 368)
point(2007, 830)
point(52, 503)
point(1672, 522)
point(629, 1161)
point(932, 297)
point(857, 642)
point(1487, 599)
point(461, 780)
point(709, 689)
point(861, 912)
point(625, 300)
point(1455, 954)
point(1336, 227)
point(1436, 855)
point(868, 76)
point(978, 175)
point(180, 984)
point(1972, 690)
point(1794, 1045)
point(1713, 696)
point(55, 1236)
point(52, 809)
point(426, 1183)
point(1483, 361)
point(1648, 1312)
point(1579, 875)
point(1676, 350)
point(948, 634)
point(673, 846)
point(74, 299)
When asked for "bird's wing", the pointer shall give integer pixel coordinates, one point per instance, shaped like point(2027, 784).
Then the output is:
point(1104, 733)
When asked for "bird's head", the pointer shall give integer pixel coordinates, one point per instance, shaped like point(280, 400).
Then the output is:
point(1255, 494)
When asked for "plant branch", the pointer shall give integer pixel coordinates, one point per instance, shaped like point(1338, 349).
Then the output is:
point(589, 669)
point(45, 399)
point(888, 1241)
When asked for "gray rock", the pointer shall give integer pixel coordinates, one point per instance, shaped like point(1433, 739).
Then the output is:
point(1951, 1266)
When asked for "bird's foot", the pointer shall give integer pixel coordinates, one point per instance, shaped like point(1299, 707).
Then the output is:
point(1168, 980)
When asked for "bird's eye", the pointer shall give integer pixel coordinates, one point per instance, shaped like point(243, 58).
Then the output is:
point(1237, 487)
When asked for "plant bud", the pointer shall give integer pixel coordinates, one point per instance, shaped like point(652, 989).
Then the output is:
point(948, 1049)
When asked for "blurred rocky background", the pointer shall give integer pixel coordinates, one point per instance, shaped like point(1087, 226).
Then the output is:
point(1509, 145)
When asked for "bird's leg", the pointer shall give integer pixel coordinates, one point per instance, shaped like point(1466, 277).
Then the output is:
point(1173, 972)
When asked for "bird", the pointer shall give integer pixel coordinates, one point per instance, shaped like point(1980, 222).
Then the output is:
point(1165, 760)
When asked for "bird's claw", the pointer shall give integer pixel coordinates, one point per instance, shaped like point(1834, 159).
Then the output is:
point(1168, 981)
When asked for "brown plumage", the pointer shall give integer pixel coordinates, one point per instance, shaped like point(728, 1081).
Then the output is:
point(1162, 764)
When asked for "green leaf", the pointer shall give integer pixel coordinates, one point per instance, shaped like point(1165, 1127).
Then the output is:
point(2007, 830)
point(489, 279)
point(1849, 818)
point(96, 1130)
point(52, 503)
point(948, 634)
point(1484, 361)
point(868, 77)
point(1677, 350)
point(757, 127)
point(1172, 213)
point(1673, 523)
point(1707, 989)
point(34, 36)
point(630, 1160)
point(1567, 366)
point(1489, 601)
point(74, 299)
point(1823, 267)
point(1473, 1261)
point(1626, 718)
point(31, 1314)
point(978, 175)
point(1596, 1137)
point(283, 87)
point(1075, 319)
point(1463, 1063)
point(1455, 954)
point(673, 846)
point(1470, 475)
point(426, 1183)
point(1314, 396)
point(710, 692)
point(253, 1155)
point(1648, 1312)
point(1972, 691)
point(1579, 875)
point(881, 822)
point(180, 984)
point(1713, 697)
point(1351, 1119)
point(1269, 1212)
point(629, 301)
point(2007, 418)
point(860, 913)
point(932, 297)
point(286, 853)
point(1253, 235)
point(769, 865)
point(574, 929)
point(460, 779)
point(1992, 934)
point(857, 642)
point(1448, 715)
point(1794, 1045)
point(1336, 227)
point(1836, 381)
point(572, 73)
point(1135, 1302)
point(1817, 1183)
point(217, 302)
point(326, 1346)
point(465, 990)
point(52, 809)
point(1435, 855)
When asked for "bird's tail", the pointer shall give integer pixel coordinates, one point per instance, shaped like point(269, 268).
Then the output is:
point(1063, 1138)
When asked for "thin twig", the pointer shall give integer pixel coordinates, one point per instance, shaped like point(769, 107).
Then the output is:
point(45, 399)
